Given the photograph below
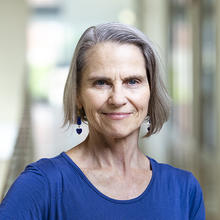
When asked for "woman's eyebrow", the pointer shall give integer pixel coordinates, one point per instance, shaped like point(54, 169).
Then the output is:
point(95, 78)
point(133, 76)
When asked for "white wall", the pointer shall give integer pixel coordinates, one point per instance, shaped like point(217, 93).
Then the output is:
point(13, 15)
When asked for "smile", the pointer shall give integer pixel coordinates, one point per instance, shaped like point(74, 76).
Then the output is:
point(117, 115)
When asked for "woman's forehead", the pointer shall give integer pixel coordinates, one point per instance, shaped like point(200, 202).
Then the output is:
point(113, 57)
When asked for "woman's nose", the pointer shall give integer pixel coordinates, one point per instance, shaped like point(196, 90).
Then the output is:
point(117, 96)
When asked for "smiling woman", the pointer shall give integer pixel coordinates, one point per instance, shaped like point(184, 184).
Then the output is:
point(114, 84)
point(117, 35)
point(114, 90)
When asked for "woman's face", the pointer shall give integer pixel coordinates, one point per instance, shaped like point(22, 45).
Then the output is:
point(114, 90)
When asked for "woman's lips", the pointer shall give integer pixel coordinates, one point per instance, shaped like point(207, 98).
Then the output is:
point(117, 115)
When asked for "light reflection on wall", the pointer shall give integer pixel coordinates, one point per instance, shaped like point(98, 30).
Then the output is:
point(46, 39)
point(127, 16)
point(181, 70)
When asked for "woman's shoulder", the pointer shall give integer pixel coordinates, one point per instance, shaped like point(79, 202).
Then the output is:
point(171, 173)
point(33, 188)
point(179, 184)
point(45, 165)
point(29, 192)
point(51, 169)
point(41, 172)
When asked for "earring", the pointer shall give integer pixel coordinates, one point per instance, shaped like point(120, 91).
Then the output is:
point(148, 123)
point(79, 122)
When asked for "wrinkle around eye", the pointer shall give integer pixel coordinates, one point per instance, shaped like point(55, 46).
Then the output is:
point(101, 84)
point(133, 82)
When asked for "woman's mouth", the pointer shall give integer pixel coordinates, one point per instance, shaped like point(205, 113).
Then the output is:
point(117, 115)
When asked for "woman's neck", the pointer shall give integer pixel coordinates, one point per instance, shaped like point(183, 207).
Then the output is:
point(120, 154)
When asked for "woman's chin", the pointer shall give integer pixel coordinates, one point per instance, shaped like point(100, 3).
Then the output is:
point(114, 131)
point(118, 133)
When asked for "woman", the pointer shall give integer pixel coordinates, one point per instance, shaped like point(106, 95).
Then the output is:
point(114, 85)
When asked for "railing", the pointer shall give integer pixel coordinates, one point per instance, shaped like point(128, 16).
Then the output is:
point(23, 150)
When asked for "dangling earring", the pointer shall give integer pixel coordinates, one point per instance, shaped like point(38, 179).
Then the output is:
point(148, 123)
point(79, 122)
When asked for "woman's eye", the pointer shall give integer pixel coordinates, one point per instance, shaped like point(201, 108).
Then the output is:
point(133, 81)
point(100, 83)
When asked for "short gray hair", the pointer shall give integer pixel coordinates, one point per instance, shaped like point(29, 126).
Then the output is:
point(158, 108)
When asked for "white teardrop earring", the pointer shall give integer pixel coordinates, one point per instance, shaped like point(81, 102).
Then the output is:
point(148, 123)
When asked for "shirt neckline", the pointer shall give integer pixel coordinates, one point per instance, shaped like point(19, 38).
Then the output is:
point(84, 177)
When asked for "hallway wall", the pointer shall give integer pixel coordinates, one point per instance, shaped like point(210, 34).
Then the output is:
point(13, 22)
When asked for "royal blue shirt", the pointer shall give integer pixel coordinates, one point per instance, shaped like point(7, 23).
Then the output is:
point(56, 188)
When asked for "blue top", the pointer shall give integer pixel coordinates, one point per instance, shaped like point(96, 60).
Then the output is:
point(56, 188)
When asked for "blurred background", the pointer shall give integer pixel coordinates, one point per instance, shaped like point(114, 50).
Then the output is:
point(37, 41)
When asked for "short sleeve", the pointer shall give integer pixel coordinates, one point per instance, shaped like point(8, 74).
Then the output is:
point(197, 208)
point(27, 198)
